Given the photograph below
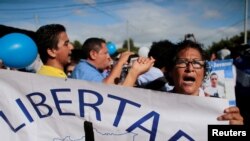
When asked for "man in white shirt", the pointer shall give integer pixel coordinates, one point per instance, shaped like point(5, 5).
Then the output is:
point(214, 90)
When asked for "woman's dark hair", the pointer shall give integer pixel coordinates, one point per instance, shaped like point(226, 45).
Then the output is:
point(184, 45)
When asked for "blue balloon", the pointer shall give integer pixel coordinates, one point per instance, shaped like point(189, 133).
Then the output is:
point(17, 50)
point(111, 48)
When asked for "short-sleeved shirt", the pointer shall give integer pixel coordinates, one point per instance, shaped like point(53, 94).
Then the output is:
point(215, 91)
point(51, 71)
point(86, 71)
point(151, 75)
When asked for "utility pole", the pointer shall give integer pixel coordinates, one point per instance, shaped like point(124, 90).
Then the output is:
point(36, 18)
point(245, 25)
point(128, 40)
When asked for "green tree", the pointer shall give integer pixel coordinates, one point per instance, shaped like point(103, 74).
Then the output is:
point(231, 43)
point(77, 44)
point(133, 48)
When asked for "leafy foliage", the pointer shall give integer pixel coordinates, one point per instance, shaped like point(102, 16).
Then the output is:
point(77, 44)
point(133, 48)
point(231, 43)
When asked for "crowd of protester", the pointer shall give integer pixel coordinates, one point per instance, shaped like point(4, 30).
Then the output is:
point(171, 67)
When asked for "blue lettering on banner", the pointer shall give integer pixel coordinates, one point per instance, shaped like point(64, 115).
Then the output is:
point(9, 124)
point(41, 103)
point(180, 134)
point(24, 109)
point(154, 127)
point(121, 107)
point(38, 102)
point(54, 93)
point(82, 103)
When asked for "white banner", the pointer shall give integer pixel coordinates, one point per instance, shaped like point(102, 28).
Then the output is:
point(40, 108)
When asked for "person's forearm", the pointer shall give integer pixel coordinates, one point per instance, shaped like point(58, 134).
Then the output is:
point(115, 73)
point(131, 78)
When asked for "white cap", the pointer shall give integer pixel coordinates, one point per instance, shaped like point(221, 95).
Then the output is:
point(224, 53)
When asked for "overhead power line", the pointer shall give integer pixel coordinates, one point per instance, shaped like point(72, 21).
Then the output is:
point(222, 31)
point(60, 6)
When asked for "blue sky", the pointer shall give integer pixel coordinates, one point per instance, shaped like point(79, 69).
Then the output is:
point(145, 21)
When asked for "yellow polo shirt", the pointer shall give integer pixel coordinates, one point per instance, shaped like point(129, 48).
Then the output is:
point(51, 71)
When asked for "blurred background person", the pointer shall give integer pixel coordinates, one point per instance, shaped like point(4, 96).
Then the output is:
point(76, 55)
point(1, 65)
point(96, 60)
point(242, 88)
point(223, 54)
point(155, 78)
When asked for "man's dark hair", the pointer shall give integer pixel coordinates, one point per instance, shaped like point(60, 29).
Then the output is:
point(47, 37)
point(91, 44)
point(161, 51)
point(213, 74)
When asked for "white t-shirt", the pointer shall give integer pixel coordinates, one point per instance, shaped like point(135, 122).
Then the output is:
point(215, 91)
point(149, 76)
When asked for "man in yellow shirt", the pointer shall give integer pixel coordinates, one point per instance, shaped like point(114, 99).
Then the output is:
point(54, 49)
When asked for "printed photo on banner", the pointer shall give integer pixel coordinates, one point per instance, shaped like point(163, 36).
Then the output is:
point(220, 82)
point(216, 85)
